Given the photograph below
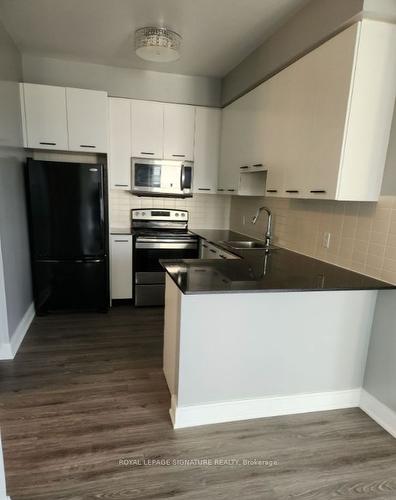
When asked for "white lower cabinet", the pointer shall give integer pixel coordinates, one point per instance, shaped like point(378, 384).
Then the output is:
point(121, 266)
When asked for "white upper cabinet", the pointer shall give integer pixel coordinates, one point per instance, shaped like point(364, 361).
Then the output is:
point(120, 143)
point(87, 116)
point(321, 126)
point(179, 121)
point(370, 112)
point(230, 147)
point(64, 119)
point(45, 116)
point(147, 129)
point(206, 149)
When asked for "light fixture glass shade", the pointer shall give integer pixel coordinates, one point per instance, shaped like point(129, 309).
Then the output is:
point(157, 44)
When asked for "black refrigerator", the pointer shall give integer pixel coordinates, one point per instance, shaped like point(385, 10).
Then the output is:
point(67, 208)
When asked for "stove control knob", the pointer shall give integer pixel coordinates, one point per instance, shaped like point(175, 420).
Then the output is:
point(137, 213)
point(183, 215)
point(177, 214)
point(143, 213)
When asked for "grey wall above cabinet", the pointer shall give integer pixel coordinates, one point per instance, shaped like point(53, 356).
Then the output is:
point(316, 22)
point(123, 82)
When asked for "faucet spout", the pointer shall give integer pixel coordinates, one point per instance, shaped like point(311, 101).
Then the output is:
point(268, 232)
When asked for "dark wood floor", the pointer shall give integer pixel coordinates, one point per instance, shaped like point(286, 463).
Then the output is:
point(87, 390)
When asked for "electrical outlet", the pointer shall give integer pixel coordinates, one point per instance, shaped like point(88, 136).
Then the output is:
point(326, 240)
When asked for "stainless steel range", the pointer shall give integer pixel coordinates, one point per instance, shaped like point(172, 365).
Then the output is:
point(158, 234)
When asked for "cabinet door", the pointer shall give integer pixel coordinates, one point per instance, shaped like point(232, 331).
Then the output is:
point(228, 180)
point(330, 69)
point(121, 266)
point(45, 113)
point(147, 118)
point(87, 118)
point(120, 143)
point(206, 149)
point(297, 129)
point(250, 132)
point(179, 123)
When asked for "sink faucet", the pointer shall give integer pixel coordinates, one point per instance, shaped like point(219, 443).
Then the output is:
point(268, 233)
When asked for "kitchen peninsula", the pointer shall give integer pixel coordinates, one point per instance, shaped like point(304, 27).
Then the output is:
point(269, 333)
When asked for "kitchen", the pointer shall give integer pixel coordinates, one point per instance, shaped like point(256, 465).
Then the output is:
point(257, 206)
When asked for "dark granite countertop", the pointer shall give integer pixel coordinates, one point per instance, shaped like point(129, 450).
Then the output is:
point(279, 270)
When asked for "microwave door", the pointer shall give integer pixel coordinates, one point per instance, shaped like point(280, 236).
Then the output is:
point(146, 177)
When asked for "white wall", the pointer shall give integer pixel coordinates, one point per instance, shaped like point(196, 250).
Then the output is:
point(15, 276)
point(380, 377)
point(122, 82)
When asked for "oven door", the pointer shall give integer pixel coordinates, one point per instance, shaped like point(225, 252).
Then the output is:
point(149, 276)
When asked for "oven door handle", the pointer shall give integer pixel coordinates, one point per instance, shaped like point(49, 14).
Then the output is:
point(158, 245)
point(148, 239)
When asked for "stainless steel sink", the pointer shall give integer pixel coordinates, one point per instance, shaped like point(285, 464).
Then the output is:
point(244, 245)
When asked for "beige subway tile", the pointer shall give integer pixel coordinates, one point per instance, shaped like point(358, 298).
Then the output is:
point(376, 250)
point(386, 201)
point(374, 272)
point(375, 261)
point(389, 276)
point(389, 265)
point(390, 252)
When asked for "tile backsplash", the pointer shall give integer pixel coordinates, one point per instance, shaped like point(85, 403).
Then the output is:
point(363, 235)
point(206, 211)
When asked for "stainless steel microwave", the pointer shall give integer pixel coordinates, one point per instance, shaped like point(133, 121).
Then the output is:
point(161, 177)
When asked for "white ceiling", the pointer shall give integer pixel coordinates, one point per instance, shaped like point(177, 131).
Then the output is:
point(217, 34)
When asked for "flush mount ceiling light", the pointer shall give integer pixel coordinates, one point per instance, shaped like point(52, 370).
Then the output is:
point(157, 44)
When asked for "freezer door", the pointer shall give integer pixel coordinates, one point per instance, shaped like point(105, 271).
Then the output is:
point(66, 209)
point(71, 285)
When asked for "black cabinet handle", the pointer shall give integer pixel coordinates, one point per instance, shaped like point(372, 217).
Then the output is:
point(48, 143)
point(146, 153)
point(272, 190)
point(121, 185)
point(292, 191)
point(258, 165)
point(203, 189)
point(231, 190)
point(205, 246)
point(318, 191)
point(220, 189)
point(121, 241)
point(244, 166)
point(223, 256)
point(87, 146)
point(213, 251)
point(179, 156)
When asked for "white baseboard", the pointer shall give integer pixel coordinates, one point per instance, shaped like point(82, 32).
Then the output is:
point(379, 412)
point(190, 416)
point(8, 351)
